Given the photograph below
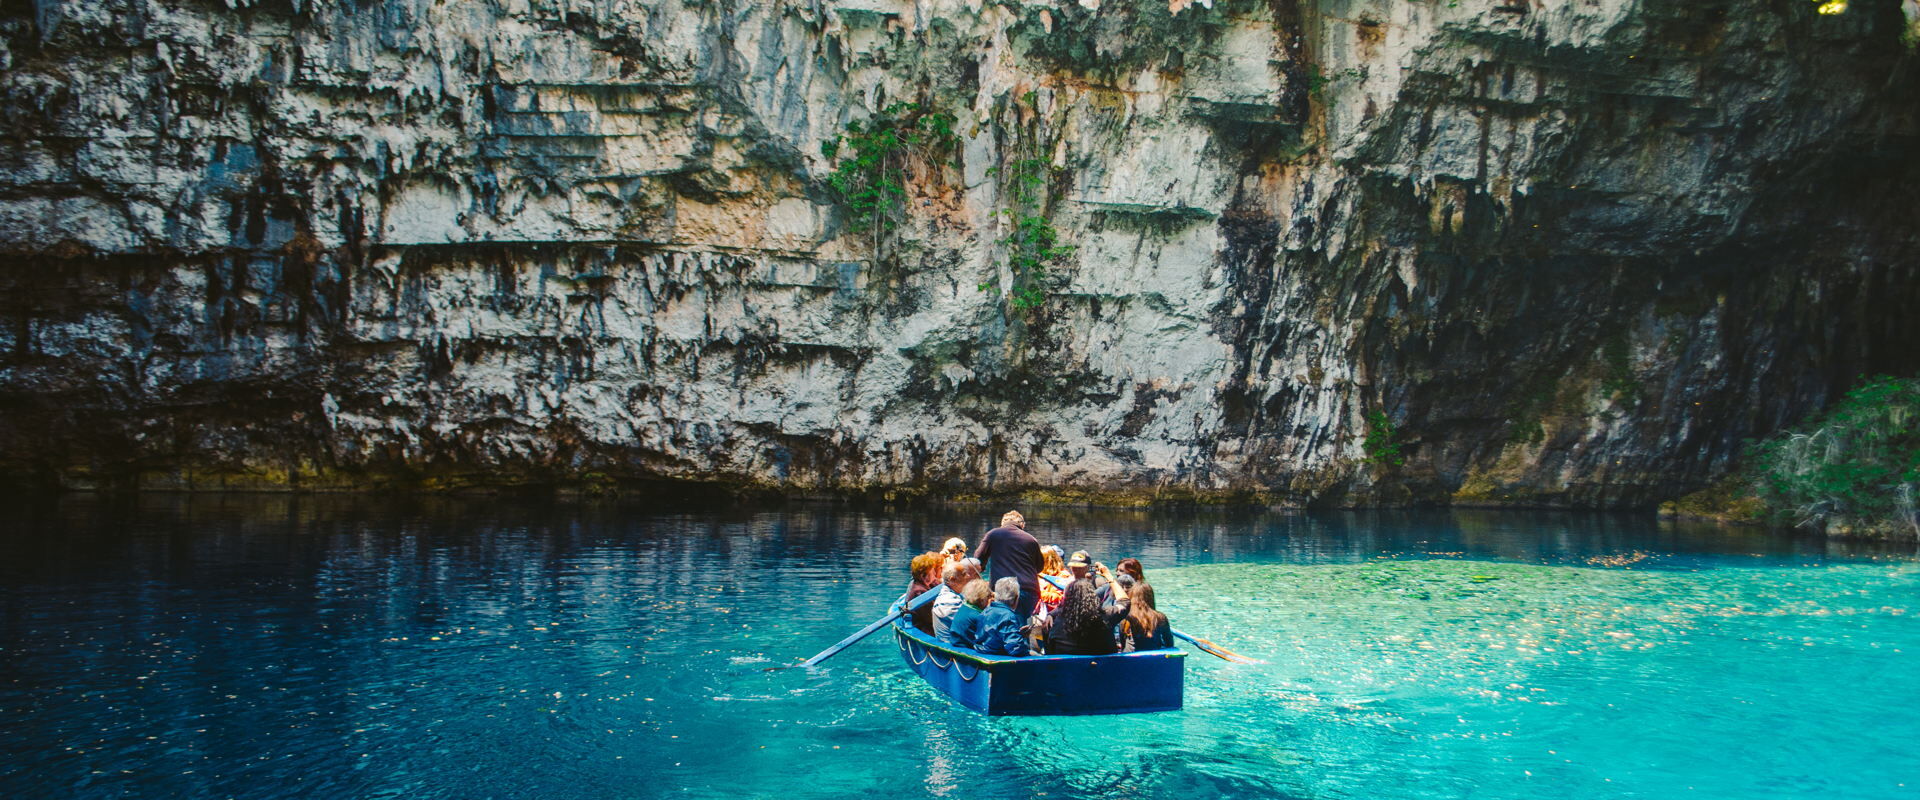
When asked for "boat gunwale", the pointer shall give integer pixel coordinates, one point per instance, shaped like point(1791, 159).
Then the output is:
point(903, 627)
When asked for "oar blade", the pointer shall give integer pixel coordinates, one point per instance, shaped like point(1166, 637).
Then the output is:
point(1216, 650)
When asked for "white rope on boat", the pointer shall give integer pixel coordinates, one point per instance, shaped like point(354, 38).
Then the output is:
point(910, 647)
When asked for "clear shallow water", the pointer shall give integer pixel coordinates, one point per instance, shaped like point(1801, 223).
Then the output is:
point(267, 646)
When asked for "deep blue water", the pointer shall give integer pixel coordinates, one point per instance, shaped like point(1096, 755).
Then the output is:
point(262, 646)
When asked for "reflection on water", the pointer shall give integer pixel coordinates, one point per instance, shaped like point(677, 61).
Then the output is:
point(254, 645)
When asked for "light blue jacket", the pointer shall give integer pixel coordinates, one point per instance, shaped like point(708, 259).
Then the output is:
point(998, 632)
point(964, 626)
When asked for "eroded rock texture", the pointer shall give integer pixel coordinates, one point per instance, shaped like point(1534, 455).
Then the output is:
point(1574, 252)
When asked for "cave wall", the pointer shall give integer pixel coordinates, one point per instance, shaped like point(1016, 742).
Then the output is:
point(1573, 253)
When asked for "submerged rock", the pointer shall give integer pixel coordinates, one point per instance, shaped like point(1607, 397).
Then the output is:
point(1574, 253)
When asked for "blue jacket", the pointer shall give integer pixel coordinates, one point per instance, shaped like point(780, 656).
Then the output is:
point(998, 632)
point(963, 628)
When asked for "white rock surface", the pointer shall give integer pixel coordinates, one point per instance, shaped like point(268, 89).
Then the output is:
point(315, 243)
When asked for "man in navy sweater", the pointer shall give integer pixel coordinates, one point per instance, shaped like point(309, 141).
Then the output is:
point(1010, 552)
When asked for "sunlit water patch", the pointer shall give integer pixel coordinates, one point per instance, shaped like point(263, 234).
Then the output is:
point(274, 647)
point(1456, 678)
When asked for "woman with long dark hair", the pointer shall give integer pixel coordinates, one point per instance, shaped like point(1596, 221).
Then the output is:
point(1082, 627)
point(1145, 627)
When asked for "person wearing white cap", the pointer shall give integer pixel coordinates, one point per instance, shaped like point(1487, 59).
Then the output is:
point(955, 550)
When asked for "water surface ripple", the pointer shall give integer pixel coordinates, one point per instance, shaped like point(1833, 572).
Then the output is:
point(254, 646)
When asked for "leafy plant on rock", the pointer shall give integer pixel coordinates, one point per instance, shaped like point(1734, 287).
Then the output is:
point(1031, 243)
point(1382, 444)
point(1856, 464)
point(1619, 382)
point(871, 161)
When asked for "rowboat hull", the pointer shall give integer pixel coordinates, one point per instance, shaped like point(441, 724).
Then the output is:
point(1125, 683)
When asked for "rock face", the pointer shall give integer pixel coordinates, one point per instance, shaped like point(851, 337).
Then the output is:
point(1538, 253)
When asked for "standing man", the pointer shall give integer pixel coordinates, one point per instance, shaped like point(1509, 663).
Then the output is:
point(1010, 552)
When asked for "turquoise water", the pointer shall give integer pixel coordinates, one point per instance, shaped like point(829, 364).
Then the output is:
point(333, 647)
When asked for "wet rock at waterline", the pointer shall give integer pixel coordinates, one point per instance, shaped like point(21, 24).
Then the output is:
point(1543, 253)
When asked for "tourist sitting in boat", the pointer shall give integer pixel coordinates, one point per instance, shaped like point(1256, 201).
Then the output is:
point(1054, 564)
point(1078, 566)
point(1081, 566)
point(1084, 626)
point(1121, 586)
point(926, 578)
point(955, 550)
point(998, 633)
point(955, 577)
point(1085, 568)
point(1145, 628)
point(965, 630)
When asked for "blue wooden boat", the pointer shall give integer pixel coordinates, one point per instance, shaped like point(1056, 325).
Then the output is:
point(1123, 683)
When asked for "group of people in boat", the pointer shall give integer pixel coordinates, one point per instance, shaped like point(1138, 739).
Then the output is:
point(1034, 599)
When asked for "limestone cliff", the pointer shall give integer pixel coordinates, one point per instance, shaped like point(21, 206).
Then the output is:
point(1550, 252)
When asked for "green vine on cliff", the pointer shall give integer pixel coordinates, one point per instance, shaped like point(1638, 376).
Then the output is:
point(1619, 382)
point(1382, 444)
point(1031, 243)
point(871, 159)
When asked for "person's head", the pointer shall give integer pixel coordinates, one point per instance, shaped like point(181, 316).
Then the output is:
point(1125, 580)
point(926, 567)
point(1141, 613)
point(1007, 590)
point(1131, 566)
point(960, 573)
point(1079, 564)
point(955, 549)
point(1080, 610)
point(1013, 519)
point(977, 593)
point(1051, 562)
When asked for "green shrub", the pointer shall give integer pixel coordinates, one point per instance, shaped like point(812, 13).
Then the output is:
point(1382, 444)
point(1032, 243)
point(1855, 465)
point(870, 160)
point(1619, 382)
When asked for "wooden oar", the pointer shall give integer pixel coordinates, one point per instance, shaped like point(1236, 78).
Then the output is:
point(1205, 646)
point(924, 598)
point(1217, 650)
